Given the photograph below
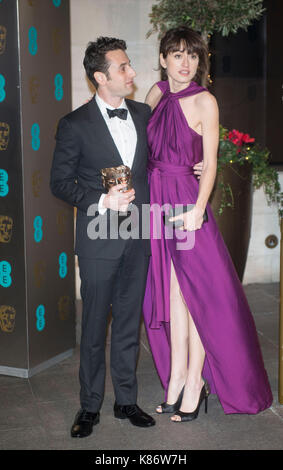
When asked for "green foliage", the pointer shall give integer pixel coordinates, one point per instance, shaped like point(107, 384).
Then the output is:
point(233, 150)
point(204, 16)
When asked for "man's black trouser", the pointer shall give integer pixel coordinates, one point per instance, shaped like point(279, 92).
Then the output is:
point(120, 282)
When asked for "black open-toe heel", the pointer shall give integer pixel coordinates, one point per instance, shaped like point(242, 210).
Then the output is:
point(205, 391)
point(166, 408)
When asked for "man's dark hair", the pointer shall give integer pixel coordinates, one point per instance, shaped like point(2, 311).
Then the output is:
point(95, 60)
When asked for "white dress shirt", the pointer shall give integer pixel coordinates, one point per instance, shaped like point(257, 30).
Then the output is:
point(123, 133)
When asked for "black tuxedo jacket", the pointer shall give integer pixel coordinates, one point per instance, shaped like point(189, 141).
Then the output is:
point(84, 146)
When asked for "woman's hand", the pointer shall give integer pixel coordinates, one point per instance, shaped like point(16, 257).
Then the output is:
point(192, 220)
point(198, 169)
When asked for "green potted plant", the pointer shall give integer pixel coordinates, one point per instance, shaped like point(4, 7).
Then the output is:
point(205, 16)
point(242, 164)
point(238, 148)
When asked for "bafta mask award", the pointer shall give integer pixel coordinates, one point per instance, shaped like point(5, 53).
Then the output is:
point(117, 175)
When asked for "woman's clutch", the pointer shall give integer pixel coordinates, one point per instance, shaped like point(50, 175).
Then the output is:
point(177, 210)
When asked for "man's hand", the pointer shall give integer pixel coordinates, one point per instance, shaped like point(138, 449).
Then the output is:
point(117, 200)
point(198, 169)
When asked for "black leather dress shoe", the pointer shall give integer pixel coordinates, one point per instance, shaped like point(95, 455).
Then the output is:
point(84, 422)
point(136, 416)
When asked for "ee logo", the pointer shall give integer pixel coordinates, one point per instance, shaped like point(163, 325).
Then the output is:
point(40, 320)
point(58, 82)
point(2, 88)
point(5, 274)
point(63, 265)
point(37, 225)
point(56, 3)
point(35, 132)
point(32, 35)
point(4, 188)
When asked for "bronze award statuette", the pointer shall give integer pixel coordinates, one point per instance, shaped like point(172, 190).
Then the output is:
point(117, 175)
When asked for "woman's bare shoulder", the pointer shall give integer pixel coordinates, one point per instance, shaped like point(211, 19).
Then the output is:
point(208, 109)
point(205, 98)
point(153, 96)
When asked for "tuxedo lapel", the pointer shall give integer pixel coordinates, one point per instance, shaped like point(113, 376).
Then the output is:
point(139, 128)
point(103, 132)
point(105, 136)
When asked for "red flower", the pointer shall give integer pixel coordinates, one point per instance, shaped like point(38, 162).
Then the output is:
point(239, 138)
point(247, 139)
point(235, 137)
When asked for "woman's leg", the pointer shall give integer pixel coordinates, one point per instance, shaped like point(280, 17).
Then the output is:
point(179, 332)
point(184, 340)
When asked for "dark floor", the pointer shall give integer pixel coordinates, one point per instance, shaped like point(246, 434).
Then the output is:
point(37, 413)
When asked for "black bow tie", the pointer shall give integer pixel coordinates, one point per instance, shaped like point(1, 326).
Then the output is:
point(120, 113)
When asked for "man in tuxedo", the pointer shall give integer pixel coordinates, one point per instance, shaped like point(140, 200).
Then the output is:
point(106, 132)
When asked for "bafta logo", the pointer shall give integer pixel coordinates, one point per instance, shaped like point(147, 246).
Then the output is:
point(36, 183)
point(64, 307)
point(34, 89)
point(4, 135)
point(7, 318)
point(57, 40)
point(56, 127)
point(3, 35)
point(6, 226)
point(61, 219)
point(31, 3)
point(39, 273)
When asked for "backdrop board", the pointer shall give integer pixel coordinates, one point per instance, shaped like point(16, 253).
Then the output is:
point(37, 277)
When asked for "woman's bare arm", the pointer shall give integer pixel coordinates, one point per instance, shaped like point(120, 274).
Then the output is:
point(153, 96)
point(209, 116)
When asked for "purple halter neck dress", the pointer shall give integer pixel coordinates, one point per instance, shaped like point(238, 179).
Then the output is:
point(207, 278)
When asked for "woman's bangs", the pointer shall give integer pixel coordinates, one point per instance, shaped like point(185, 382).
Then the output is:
point(184, 45)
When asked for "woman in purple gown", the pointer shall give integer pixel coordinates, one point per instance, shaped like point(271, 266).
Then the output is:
point(199, 325)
